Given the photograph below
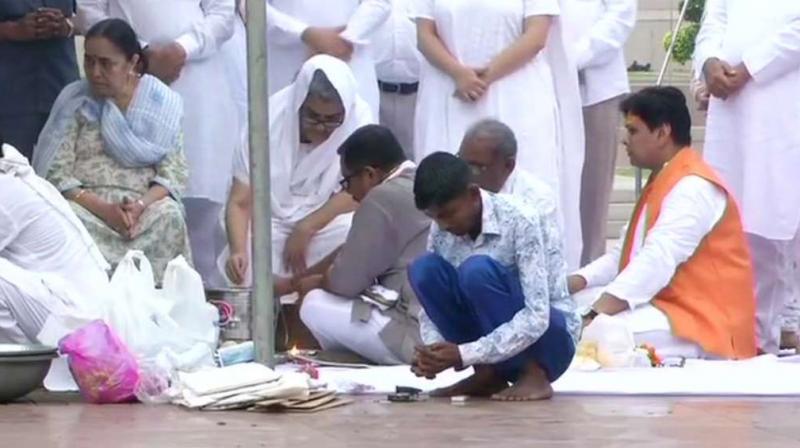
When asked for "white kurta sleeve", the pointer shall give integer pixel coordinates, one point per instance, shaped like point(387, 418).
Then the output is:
point(8, 228)
point(603, 270)
point(89, 13)
point(367, 18)
point(608, 35)
point(422, 9)
point(286, 30)
point(541, 8)
point(777, 55)
point(207, 36)
point(689, 212)
point(712, 32)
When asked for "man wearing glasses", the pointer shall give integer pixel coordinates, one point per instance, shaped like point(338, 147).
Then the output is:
point(360, 299)
point(490, 149)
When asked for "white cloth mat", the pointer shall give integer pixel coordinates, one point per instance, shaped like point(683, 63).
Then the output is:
point(763, 376)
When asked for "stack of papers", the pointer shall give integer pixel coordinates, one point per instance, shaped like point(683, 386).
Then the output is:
point(239, 387)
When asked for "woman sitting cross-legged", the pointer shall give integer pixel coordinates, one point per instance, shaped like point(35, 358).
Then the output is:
point(311, 216)
point(113, 147)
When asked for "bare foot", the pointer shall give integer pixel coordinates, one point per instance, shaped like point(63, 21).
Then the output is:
point(532, 385)
point(483, 383)
point(790, 340)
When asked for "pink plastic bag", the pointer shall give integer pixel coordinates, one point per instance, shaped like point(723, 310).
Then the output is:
point(103, 367)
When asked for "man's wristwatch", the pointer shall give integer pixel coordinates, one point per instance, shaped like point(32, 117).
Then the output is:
point(589, 314)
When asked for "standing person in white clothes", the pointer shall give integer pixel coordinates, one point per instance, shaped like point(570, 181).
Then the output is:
point(299, 29)
point(749, 55)
point(183, 39)
point(507, 60)
point(397, 65)
point(598, 30)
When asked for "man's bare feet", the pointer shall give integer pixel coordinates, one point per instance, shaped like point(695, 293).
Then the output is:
point(790, 340)
point(532, 385)
point(483, 383)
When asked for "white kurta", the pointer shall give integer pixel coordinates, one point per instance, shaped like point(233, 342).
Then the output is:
point(540, 101)
point(210, 121)
point(689, 212)
point(287, 19)
point(51, 272)
point(753, 138)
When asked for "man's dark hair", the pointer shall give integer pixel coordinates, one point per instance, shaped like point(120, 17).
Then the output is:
point(657, 106)
point(372, 145)
point(441, 177)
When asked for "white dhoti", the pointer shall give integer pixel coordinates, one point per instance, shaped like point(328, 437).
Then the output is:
point(649, 325)
point(322, 244)
point(25, 304)
point(329, 317)
point(775, 264)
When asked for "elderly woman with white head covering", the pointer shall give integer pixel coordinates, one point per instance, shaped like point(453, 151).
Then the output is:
point(309, 120)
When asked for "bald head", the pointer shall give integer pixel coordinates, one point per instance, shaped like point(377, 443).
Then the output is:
point(490, 149)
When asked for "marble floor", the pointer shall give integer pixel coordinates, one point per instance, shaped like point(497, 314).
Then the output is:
point(566, 421)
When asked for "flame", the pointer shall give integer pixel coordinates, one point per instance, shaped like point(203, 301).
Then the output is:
point(294, 351)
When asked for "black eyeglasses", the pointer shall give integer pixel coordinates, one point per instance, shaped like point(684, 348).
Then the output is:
point(328, 123)
point(345, 182)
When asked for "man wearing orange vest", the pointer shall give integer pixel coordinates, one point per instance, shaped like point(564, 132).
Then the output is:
point(682, 276)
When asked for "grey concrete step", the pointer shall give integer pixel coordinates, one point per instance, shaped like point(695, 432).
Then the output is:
point(614, 228)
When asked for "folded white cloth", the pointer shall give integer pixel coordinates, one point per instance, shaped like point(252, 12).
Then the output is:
point(230, 378)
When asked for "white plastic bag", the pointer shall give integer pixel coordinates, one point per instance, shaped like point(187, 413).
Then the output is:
point(135, 305)
point(615, 343)
point(183, 287)
point(173, 328)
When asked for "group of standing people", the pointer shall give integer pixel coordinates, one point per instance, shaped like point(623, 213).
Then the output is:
point(150, 150)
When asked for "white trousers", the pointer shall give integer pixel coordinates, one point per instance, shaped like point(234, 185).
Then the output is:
point(328, 316)
point(650, 326)
point(397, 114)
point(25, 305)
point(777, 276)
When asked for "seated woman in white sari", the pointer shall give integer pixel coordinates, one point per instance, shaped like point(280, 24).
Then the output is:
point(311, 216)
point(113, 147)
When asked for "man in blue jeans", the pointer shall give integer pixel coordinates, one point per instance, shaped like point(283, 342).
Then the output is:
point(493, 289)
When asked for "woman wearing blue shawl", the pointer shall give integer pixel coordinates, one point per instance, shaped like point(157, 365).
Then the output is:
point(113, 147)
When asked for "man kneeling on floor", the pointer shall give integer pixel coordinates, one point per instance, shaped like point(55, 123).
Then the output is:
point(49, 265)
point(364, 303)
point(682, 277)
point(485, 289)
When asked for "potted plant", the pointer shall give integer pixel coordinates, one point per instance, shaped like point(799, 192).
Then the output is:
point(684, 42)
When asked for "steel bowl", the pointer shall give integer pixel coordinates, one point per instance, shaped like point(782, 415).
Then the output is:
point(22, 370)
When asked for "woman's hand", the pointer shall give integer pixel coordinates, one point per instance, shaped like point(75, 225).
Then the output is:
point(237, 266)
point(294, 253)
point(134, 209)
point(116, 218)
point(469, 85)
